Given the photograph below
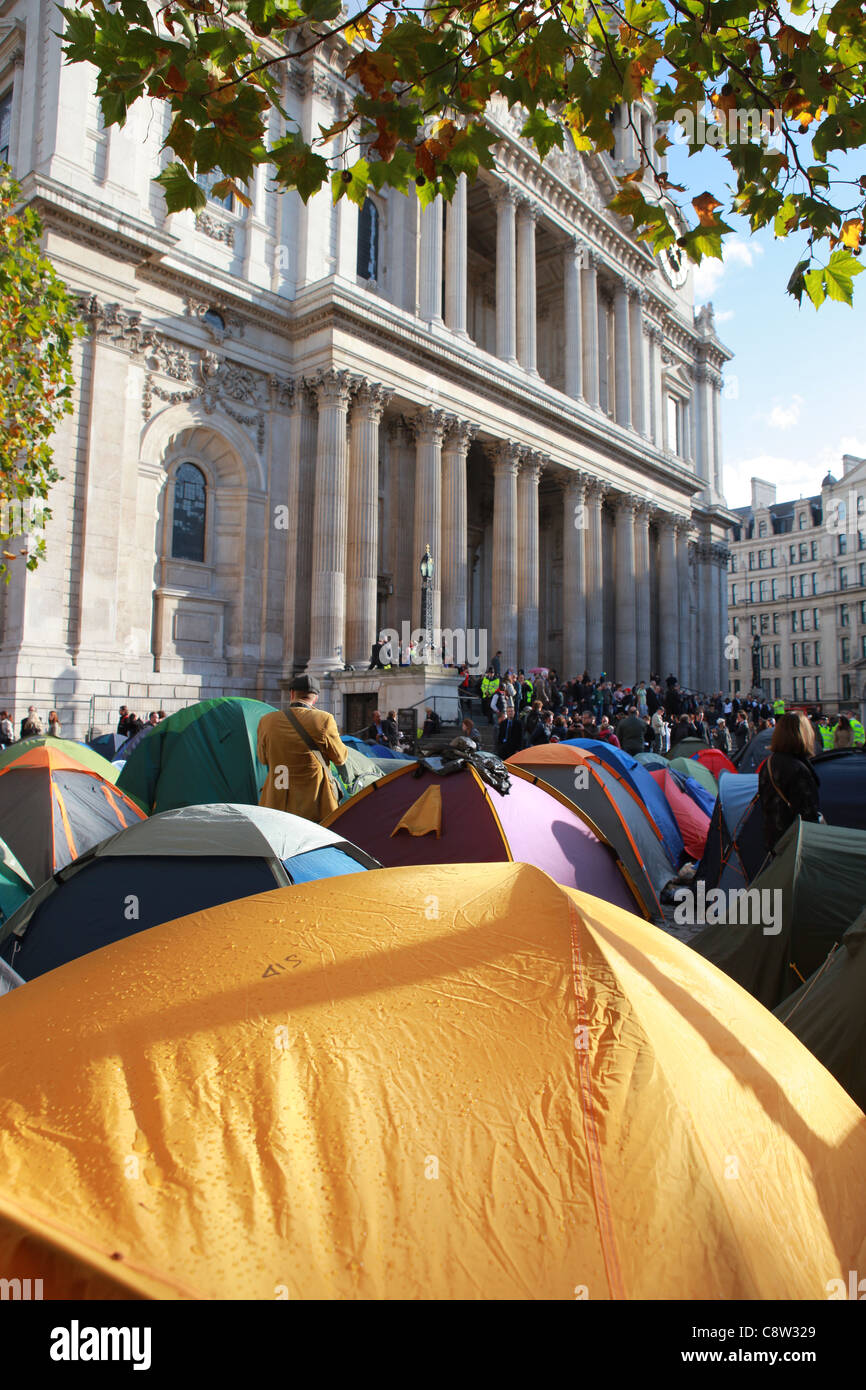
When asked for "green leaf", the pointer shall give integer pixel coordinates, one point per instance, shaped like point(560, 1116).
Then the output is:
point(544, 133)
point(180, 190)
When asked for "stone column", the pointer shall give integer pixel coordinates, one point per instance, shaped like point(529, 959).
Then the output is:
point(714, 614)
point(622, 352)
point(573, 313)
point(430, 426)
point(455, 584)
point(704, 426)
point(330, 512)
point(643, 595)
point(431, 262)
point(362, 551)
point(685, 672)
point(574, 535)
point(716, 384)
point(722, 595)
point(656, 394)
point(589, 305)
point(595, 493)
point(456, 228)
point(626, 600)
point(401, 439)
point(506, 274)
point(504, 604)
point(669, 617)
point(526, 289)
point(527, 560)
point(605, 385)
point(302, 494)
point(638, 373)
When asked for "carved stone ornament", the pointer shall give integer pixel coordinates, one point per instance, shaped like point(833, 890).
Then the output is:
point(208, 315)
point(215, 228)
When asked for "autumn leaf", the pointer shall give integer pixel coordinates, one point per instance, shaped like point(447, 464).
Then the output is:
point(705, 206)
point(851, 232)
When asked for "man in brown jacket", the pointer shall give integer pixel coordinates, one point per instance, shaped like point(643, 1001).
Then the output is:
point(296, 780)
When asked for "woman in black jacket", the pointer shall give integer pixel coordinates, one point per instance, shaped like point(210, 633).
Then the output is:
point(787, 784)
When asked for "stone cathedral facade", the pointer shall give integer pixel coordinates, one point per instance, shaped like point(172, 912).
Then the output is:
point(278, 408)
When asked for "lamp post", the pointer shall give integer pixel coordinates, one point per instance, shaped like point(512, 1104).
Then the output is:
point(427, 602)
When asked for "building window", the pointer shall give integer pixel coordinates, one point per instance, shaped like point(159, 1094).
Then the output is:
point(764, 591)
point(861, 540)
point(801, 521)
point(843, 578)
point(775, 622)
point(863, 645)
point(765, 657)
point(190, 510)
point(777, 689)
point(795, 620)
point(807, 653)
point(774, 558)
point(817, 687)
point(762, 528)
point(793, 586)
point(733, 594)
point(5, 126)
point(817, 653)
point(774, 588)
point(765, 622)
point(863, 610)
point(230, 202)
point(843, 544)
point(762, 559)
point(795, 653)
point(862, 576)
point(845, 649)
point(843, 614)
point(751, 559)
point(814, 550)
point(736, 687)
point(752, 592)
point(736, 626)
point(777, 655)
point(804, 552)
point(846, 687)
point(816, 618)
point(753, 623)
point(806, 680)
point(796, 687)
point(815, 582)
point(792, 555)
point(368, 241)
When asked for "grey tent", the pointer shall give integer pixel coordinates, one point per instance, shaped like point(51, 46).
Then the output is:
point(799, 905)
point(828, 1012)
point(749, 758)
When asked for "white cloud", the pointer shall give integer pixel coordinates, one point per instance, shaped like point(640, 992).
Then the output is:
point(723, 315)
point(794, 477)
point(709, 273)
point(785, 417)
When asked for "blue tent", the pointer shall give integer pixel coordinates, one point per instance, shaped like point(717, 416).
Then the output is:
point(640, 781)
point(693, 788)
point(108, 745)
point(653, 762)
point(374, 750)
point(842, 775)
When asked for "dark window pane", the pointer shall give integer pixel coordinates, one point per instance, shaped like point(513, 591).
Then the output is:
point(368, 241)
point(190, 506)
point(5, 126)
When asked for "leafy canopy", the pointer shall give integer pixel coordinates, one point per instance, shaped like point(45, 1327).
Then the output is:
point(38, 322)
point(782, 83)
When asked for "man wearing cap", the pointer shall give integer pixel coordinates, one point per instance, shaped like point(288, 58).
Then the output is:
point(297, 747)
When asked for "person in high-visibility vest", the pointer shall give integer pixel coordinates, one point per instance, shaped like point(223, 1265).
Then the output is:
point(778, 708)
point(857, 730)
point(826, 733)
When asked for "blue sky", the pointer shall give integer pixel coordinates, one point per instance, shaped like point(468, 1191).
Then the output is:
point(795, 394)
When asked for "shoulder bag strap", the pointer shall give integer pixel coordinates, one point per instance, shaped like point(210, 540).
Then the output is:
point(299, 728)
point(773, 780)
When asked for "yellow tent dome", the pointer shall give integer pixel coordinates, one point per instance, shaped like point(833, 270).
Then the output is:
point(456, 1082)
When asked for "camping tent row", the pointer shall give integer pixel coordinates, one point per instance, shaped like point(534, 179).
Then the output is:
point(253, 1036)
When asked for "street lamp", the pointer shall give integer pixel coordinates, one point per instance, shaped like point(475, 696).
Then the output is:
point(427, 600)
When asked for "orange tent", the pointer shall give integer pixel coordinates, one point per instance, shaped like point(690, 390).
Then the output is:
point(460, 1081)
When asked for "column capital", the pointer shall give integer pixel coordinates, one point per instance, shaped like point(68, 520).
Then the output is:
point(597, 489)
point(625, 502)
point(665, 520)
point(623, 288)
point(306, 395)
point(637, 291)
point(505, 192)
point(574, 481)
point(533, 465)
point(430, 424)
point(506, 457)
point(683, 524)
point(526, 208)
point(371, 398)
point(459, 434)
point(643, 506)
point(333, 387)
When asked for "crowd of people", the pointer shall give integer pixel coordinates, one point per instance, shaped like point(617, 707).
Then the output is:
point(129, 724)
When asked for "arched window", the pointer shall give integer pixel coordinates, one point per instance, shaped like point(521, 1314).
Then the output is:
point(368, 241)
point(190, 508)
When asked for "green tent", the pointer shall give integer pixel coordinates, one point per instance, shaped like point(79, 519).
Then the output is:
point(686, 747)
point(202, 754)
point(94, 762)
point(360, 771)
point(15, 885)
point(818, 879)
point(690, 767)
point(827, 1013)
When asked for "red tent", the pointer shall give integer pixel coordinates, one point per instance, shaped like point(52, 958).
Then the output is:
point(694, 823)
point(715, 760)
